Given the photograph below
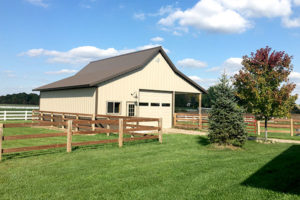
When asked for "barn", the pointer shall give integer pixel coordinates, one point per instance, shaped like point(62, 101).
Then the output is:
point(142, 84)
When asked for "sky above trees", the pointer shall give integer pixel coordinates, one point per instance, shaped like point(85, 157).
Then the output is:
point(45, 40)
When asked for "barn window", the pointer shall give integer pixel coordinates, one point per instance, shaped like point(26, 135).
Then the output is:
point(143, 104)
point(154, 104)
point(113, 107)
point(165, 105)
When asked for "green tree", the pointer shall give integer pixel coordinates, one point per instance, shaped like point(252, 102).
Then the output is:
point(226, 123)
point(208, 98)
point(20, 98)
point(263, 86)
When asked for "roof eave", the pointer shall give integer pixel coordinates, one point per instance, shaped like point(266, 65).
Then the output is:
point(62, 88)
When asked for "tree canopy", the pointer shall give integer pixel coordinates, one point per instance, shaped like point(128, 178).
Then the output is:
point(20, 98)
point(262, 85)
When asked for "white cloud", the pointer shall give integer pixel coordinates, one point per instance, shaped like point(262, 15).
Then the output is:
point(38, 3)
point(157, 39)
point(209, 15)
point(191, 63)
point(148, 46)
point(229, 16)
point(230, 66)
point(204, 82)
point(82, 54)
point(260, 8)
point(297, 2)
point(139, 16)
point(294, 75)
point(291, 23)
point(63, 71)
point(164, 10)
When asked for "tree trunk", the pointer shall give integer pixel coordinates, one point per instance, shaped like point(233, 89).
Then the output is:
point(266, 128)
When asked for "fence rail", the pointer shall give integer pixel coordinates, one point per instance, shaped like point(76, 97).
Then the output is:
point(16, 115)
point(76, 126)
point(191, 121)
point(289, 126)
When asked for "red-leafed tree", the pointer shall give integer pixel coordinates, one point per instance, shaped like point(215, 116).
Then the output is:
point(263, 87)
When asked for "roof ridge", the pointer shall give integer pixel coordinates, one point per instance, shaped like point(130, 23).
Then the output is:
point(125, 54)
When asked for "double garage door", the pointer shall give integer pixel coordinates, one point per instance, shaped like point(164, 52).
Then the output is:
point(156, 105)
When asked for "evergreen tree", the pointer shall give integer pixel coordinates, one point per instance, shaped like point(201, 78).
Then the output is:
point(226, 123)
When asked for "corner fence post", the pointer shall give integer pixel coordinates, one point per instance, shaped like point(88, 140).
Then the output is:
point(292, 127)
point(258, 127)
point(160, 130)
point(1, 138)
point(121, 132)
point(69, 136)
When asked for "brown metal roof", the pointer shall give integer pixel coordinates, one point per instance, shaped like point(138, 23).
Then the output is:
point(103, 70)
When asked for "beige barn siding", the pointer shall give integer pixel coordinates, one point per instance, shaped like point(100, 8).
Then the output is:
point(73, 100)
point(156, 75)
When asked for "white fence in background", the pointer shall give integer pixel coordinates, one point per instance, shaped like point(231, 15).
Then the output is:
point(16, 115)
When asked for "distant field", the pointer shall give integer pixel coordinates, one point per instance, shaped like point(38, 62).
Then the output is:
point(11, 107)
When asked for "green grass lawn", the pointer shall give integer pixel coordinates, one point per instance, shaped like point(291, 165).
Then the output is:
point(183, 167)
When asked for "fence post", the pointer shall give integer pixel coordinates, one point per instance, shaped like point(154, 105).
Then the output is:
point(26, 115)
point(174, 118)
point(93, 125)
point(292, 127)
point(51, 119)
point(63, 119)
point(4, 116)
point(200, 111)
point(160, 130)
point(200, 121)
point(121, 132)
point(77, 129)
point(258, 127)
point(69, 136)
point(1, 138)
point(108, 127)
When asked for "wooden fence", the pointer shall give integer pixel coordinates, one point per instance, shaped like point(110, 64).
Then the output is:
point(190, 121)
point(120, 126)
point(289, 126)
point(16, 115)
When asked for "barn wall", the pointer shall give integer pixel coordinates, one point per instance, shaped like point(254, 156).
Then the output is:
point(156, 75)
point(73, 100)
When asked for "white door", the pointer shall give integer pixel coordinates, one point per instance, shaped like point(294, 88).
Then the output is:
point(156, 105)
point(131, 110)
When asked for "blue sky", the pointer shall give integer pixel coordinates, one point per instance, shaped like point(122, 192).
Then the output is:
point(45, 40)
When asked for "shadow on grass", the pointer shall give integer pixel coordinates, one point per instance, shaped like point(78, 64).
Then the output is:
point(27, 154)
point(204, 141)
point(282, 174)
